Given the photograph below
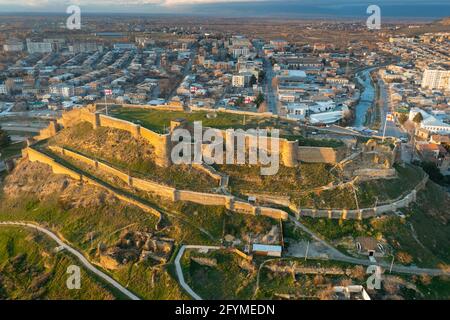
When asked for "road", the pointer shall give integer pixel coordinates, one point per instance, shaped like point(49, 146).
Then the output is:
point(77, 254)
point(271, 99)
point(186, 71)
point(43, 114)
point(392, 130)
point(335, 254)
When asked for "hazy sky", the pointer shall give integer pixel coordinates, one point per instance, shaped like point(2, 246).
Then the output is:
point(391, 8)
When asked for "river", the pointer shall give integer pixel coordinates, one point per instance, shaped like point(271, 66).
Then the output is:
point(367, 96)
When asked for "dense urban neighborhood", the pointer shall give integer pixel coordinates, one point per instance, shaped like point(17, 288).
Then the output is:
point(358, 125)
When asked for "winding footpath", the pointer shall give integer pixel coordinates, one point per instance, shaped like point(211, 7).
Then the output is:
point(339, 256)
point(180, 270)
point(77, 254)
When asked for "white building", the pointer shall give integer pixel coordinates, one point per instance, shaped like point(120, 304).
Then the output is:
point(39, 47)
point(241, 80)
point(62, 90)
point(297, 111)
point(3, 88)
point(267, 250)
point(124, 46)
point(414, 111)
point(435, 125)
point(240, 51)
point(326, 117)
point(85, 47)
point(436, 79)
point(13, 45)
point(429, 122)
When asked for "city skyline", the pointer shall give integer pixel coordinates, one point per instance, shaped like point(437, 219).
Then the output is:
point(239, 8)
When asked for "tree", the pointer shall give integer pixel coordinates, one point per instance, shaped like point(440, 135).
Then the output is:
point(402, 118)
point(253, 80)
point(433, 171)
point(5, 139)
point(418, 118)
point(404, 257)
point(261, 75)
point(259, 99)
point(239, 102)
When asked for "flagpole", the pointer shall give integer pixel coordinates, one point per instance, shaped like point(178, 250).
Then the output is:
point(384, 130)
point(106, 105)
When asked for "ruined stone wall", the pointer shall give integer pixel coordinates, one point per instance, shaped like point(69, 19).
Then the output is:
point(162, 145)
point(375, 173)
point(365, 212)
point(290, 152)
point(207, 199)
point(155, 188)
point(34, 155)
point(212, 173)
point(57, 168)
point(172, 106)
point(48, 132)
point(158, 189)
point(106, 121)
point(319, 155)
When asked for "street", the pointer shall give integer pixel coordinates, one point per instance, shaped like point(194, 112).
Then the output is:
point(271, 99)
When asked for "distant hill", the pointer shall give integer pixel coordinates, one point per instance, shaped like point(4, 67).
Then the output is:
point(444, 22)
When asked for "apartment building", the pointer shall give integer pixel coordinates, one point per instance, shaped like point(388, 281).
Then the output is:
point(13, 45)
point(435, 79)
point(39, 47)
point(3, 88)
point(241, 80)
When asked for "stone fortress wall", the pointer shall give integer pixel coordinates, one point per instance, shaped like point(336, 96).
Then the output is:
point(57, 168)
point(210, 199)
point(169, 193)
point(290, 152)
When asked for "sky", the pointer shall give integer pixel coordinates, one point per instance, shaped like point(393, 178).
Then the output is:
point(338, 8)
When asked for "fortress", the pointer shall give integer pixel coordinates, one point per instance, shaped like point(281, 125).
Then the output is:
point(290, 153)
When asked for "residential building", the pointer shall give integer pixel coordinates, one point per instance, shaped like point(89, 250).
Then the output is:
point(39, 47)
point(241, 80)
point(82, 47)
point(124, 46)
point(13, 45)
point(240, 51)
point(62, 90)
point(434, 79)
point(3, 88)
point(267, 250)
point(297, 111)
point(435, 125)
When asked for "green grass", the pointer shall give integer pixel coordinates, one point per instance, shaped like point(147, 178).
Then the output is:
point(437, 289)
point(14, 149)
point(30, 269)
point(120, 150)
point(309, 286)
point(288, 181)
point(370, 192)
point(331, 229)
point(308, 142)
point(223, 282)
point(158, 121)
point(429, 217)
